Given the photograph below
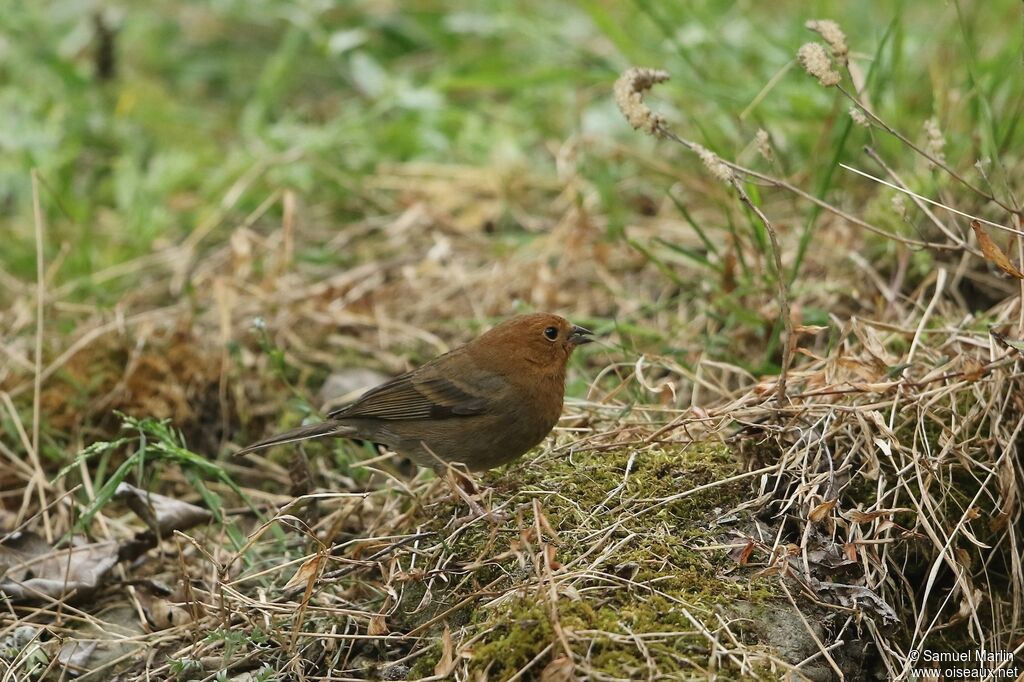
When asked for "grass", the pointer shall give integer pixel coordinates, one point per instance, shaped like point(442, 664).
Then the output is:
point(237, 200)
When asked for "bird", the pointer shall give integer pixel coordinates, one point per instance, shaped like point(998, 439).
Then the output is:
point(481, 405)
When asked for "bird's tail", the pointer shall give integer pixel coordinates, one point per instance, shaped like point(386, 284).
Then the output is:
point(327, 428)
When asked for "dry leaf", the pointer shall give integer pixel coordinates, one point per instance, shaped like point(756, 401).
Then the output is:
point(307, 572)
point(857, 596)
point(75, 654)
point(560, 669)
point(772, 569)
point(741, 555)
point(872, 343)
point(32, 569)
point(999, 521)
point(973, 370)
point(162, 514)
point(446, 664)
point(378, 626)
point(160, 608)
point(549, 556)
point(994, 253)
point(822, 510)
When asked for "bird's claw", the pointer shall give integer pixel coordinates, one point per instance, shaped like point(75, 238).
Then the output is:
point(477, 511)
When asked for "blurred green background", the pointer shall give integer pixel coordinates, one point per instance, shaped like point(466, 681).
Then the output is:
point(141, 117)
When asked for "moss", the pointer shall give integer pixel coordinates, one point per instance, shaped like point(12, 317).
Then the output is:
point(517, 636)
point(659, 577)
point(518, 633)
point(424, 665)
point(587, 480)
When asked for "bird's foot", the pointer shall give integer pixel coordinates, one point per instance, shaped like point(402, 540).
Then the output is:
point(459, 482)
point(477, 512)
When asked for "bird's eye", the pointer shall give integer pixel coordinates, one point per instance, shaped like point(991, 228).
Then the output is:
point(551, 333)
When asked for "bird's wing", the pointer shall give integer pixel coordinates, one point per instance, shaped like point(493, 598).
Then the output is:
point(418, 395)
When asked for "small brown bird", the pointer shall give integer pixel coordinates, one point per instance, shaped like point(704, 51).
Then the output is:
point(480, 405)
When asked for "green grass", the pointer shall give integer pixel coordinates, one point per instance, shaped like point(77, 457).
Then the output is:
point(203, 94)
point(214, 108)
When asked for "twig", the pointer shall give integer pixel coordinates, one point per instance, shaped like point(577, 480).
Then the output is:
point(40, 477)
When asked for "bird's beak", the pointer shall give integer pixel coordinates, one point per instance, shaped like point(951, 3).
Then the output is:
point(580, 336)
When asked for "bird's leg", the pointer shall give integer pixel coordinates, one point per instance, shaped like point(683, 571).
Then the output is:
point(462, 484)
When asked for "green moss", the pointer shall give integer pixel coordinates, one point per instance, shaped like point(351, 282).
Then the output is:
point(659, 576)
point(517, 636)
point(520, 632)
point(424, 665)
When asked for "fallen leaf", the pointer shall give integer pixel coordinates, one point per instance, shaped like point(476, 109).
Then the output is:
point(162, 514)
point(973, 370)
point(872, 343)
point(32, 569)
point(378, 626)
point(306, 573)
point(560, 669)
point(549, 555)
point(856, 596)
point(999, 521)
point(741, 555)
point(75, 654)
point(161, 609)
point(821, 511)
point(994, 253)
point(446, 664)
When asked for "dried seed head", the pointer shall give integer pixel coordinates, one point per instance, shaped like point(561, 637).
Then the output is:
point(859, 118)
point(936, 142)
point(816, 62)
point(628, 91)
point(831, 34)
point(714, 164)
point(899, 205)
point(764, 145)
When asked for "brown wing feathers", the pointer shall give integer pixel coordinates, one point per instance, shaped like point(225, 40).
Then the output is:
point(413, 397)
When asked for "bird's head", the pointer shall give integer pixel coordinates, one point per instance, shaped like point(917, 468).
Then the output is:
point(537, 341)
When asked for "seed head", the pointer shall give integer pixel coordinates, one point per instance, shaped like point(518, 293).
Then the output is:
point(899, 205)
point(764, 145)
point(628, 91)
point(831, 34)
point(714, 164)
point(859, 118)
point(816, 62)
point(936, 141)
